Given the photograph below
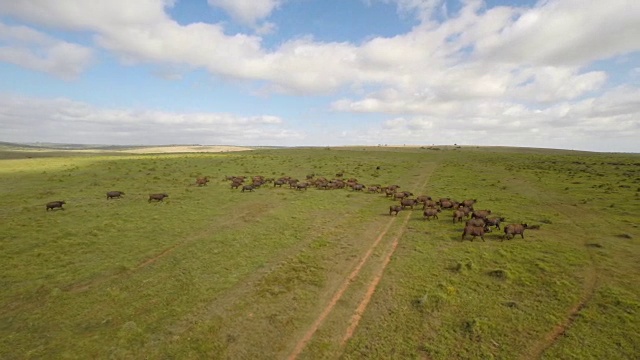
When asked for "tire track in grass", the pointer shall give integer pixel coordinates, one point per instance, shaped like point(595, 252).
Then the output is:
point(224, 302)
point(334, 300)
point(353, 323)
point(84, 286)
point(590, 285)
point(355, 319)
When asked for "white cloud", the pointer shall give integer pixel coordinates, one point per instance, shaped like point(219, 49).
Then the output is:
point(472, 53)
point(566, 32)
point(611, 121)
point(31, 49)
point(67, 121)
point(99, 16)
point(515, 70)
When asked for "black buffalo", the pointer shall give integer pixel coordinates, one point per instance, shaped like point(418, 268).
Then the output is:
point(247, 188)
point(114, 194)
point(157, 197)
point(55, 205)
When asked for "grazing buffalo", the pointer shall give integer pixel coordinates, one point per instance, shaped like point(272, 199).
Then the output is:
point(247, 188)
point(55, 205)
point(423, 198)
point(429, 213)
point(494, 221)
point(402, 195)
point(475, 222)
point(279, 182)
point(514, 229)
point(469, 202)
point(114, 194)
point(475, 231)
point(357, 187)
point(157, 197)
point(202, 181)
point(302, 186)
point(235, 184)
point(448, 204)
point(408, 202)
point(394, 209)
point(481, 214)
point(429, 204)
point(458, 215)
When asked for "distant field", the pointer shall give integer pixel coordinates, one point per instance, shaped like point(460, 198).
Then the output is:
point(318, 274)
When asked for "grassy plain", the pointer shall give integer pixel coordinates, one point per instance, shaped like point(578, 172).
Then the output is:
point(217, 273)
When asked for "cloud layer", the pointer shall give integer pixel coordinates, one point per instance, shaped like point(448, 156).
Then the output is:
point(503, 70)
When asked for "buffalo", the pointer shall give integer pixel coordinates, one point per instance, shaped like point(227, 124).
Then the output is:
point(202, 181)
point(408, 202)
point(475, 222)
point(469, 202)
point(448, 204)
point(458, 215)
point(494, 221)
point(247, 188)
point(424, 198)
point(475, 231)
point(395, 209)
point(402, 195)
point(429, 204)
point(514, 229)
point(55, 205)
point(157, 197)
point(302, 186)
point(481, 214)
point(428, 213)
point(114, 194)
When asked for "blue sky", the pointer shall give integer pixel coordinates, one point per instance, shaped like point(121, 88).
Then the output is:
point(551, 73)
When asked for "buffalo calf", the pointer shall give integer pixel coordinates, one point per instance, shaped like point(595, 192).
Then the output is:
point(157, 197)
point(114, 194)
point(55, 205)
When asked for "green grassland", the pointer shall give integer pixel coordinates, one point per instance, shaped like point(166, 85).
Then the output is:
point(217, 273)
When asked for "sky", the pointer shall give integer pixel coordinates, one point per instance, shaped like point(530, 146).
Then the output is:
point(551, 73)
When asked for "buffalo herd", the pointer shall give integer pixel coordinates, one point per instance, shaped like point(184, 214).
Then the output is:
point(477, 222)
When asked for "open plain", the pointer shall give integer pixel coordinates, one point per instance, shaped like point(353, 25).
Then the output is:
point(275, 273)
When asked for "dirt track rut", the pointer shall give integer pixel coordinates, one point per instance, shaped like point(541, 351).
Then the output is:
point(373, 283)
